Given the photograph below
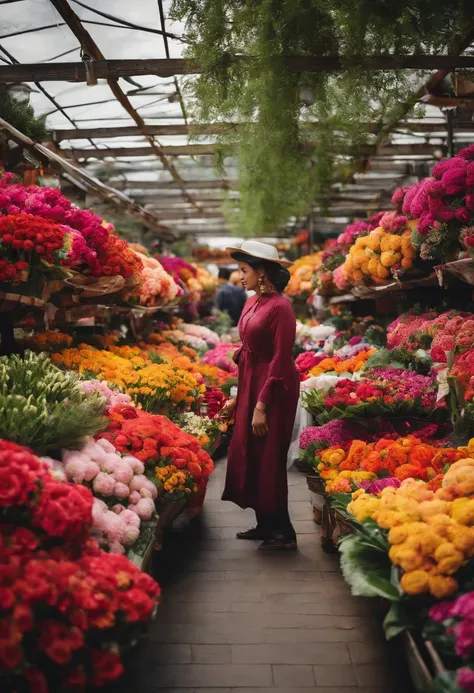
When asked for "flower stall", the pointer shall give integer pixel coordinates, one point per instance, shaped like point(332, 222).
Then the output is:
point(105, 435)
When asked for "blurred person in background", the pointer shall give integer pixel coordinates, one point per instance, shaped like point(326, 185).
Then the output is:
point(229, 298)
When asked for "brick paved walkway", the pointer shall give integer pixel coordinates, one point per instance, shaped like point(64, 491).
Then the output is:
point(234, 620)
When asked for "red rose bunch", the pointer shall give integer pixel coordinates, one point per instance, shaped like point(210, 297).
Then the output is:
point(12, 271)
point(26, 233)
point(65, 614)
point(152, 438)
point(64, 604)
point(55, 508)
point(215, 400)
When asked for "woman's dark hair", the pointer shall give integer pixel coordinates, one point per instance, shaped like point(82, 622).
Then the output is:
point(277, 275)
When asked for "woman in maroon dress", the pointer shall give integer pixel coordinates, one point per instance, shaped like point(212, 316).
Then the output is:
point(267, 398)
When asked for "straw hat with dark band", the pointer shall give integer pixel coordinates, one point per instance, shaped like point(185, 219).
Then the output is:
point(258, 251)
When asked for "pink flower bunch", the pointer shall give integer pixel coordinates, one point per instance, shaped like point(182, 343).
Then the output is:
point(222, 357)
point(112, 396)
point(457, 618)
point(113, 478)
point(353, 231)
point(446, 197)
point(101, 250)
point(118, 529)
point(401, 332)
point(339, 278)
point(100, 466)
point(335, 432)
point(156, 282)
point(212, 338)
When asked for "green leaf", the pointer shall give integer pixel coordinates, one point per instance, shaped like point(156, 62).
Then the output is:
point(396, 620)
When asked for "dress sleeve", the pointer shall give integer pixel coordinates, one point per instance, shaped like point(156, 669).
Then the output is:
point(283, 329)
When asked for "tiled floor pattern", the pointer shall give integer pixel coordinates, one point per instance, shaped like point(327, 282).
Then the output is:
point(235, 621)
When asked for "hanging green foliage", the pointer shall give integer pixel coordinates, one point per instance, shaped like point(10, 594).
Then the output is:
point(21, 115)
point(284, 165)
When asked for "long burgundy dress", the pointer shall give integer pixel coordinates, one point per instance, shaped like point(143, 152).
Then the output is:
point(256, 469)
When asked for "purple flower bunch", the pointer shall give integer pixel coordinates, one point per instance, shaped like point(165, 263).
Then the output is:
point(335, 432)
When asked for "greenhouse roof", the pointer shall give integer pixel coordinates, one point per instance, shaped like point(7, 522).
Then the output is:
point(133, 132)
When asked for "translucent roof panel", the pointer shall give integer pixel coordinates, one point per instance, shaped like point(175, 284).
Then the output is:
point(32, 31)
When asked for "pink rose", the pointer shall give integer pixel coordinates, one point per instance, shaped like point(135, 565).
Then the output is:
point(137, 482)
point(134, 497)
point(118, 508)
point(112, 525)
point(130, 518)
point(130, 535)
point(91, 471)
point(144, 508)
point(137, 466)
point(106, 445)
point(98, 509)
point(104, 484)
point(116, 547)
point(75, 469)
point(123, 472)
point(121, 490)
point(465, 338)
point(109, 463)
point(440, 345)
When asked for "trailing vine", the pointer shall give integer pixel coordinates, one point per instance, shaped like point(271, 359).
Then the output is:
point(282, 165)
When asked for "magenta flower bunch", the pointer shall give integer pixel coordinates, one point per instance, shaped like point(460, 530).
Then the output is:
point(335, 432)
point(222, 357)
point(456, 620)
point(92, 243)
point(443, 206)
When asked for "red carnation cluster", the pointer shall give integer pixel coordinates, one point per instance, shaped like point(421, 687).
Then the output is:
point(65, 606)
point(26, 233)
point(116, 257)
point(215, 400)
point(152, 438)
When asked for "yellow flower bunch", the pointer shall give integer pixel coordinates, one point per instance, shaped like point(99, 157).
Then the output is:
point(344, 481)
point(49, 341)
point(174, 482)
point(156, 387)
point(105, 365)
point(431, 533)
point(376, 256)
point(301, 273)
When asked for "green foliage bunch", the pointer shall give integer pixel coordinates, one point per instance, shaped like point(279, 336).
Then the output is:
point(44, 408)
point(21, 115)
point(283, 166)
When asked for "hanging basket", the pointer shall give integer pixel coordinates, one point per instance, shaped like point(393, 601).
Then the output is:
point(462, 269)
point(89, 287)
